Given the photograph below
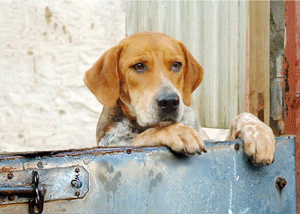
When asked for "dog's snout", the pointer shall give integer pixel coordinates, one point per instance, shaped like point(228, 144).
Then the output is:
point(168, 102)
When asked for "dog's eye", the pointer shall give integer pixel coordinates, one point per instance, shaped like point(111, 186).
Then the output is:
point(176, 66)
point(139, 67)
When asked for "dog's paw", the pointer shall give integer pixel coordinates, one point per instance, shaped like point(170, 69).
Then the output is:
point(259, 143)
point(259, 140)
point(179, 138)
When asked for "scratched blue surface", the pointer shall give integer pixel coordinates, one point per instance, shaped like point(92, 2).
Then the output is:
point(154, 180)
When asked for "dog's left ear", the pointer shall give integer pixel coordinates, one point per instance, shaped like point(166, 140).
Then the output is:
point(193, 75)
point(103, 78)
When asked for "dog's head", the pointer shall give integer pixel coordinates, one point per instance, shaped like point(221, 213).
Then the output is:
point(152, 74)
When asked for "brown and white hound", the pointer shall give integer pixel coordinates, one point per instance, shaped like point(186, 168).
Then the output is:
point(145, 84)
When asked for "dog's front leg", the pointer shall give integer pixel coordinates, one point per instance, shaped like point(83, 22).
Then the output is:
point(259, 140)
point(178, 137)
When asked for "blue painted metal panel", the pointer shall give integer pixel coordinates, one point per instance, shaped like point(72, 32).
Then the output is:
point(154, 180)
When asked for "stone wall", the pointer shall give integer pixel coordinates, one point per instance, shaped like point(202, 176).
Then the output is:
point(46, 46)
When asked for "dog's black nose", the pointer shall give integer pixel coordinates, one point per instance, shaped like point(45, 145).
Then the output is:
point(168, 102)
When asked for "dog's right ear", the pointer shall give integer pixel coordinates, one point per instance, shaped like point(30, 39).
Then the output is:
point(103, 78)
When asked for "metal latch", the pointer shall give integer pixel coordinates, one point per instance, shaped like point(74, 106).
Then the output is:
point(36, 204)
point(39, 185)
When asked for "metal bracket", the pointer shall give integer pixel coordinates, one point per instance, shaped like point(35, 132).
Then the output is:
point(56, 183)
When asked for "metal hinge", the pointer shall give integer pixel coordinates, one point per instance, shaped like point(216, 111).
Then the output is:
point(39, 185)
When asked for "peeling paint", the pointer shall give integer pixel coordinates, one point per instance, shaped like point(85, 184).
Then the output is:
point(7, 169)
point(292, 79)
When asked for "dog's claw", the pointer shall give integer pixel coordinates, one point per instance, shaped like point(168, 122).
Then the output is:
point(183, 151)
point(190, 153)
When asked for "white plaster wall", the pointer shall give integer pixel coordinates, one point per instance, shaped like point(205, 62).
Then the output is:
point(45, 48)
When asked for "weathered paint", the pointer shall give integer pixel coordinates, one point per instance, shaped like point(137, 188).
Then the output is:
point(55, 182)
point(292, 78)
point(154, 180)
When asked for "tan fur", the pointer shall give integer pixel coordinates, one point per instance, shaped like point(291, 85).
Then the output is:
point(178, 137)
point(259, 140)
point(131, 115)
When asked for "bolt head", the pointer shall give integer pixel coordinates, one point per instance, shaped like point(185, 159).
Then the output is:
point(280, 183)
point(86, 161)
point(11, 197)
point(10, 175)
point(237, 146)
point(77, 193)
point(77, 170)
point(76, 183)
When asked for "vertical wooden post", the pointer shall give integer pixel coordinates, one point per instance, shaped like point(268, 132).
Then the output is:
point(291, 73)
point(258, 60)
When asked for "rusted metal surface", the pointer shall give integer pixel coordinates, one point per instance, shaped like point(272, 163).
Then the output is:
point(5, 169)
point(58, 182)
point(280, 183)
point(10, 190)
point(93, 151)
point(291, 71)
point(152, 180)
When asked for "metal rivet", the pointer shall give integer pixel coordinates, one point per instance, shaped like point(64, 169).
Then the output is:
point(40, 165)
point(10, 175)
point(128, 151)
point(86, 161)
point(280, 183)
point(77, 193)
point(11, 197)
point(237, 146)
point(77, 170)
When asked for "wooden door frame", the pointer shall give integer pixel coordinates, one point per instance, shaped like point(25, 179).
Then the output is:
point(258, 60)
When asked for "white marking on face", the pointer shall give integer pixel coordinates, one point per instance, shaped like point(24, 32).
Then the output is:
point(130, 108)
point(146, 108)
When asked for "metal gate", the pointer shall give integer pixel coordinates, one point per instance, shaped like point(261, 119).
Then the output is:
point(149, 180)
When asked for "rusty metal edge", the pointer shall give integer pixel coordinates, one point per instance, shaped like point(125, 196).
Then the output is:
point(94, 151)
point(105, 150)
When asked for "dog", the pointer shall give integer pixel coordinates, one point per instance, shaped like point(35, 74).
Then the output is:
point(145, 85)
